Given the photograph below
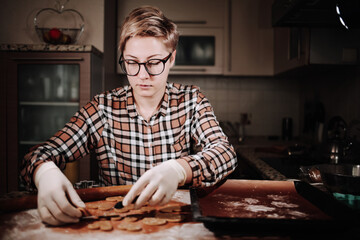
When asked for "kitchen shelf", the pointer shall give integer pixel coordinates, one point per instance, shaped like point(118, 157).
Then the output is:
point(42, 87)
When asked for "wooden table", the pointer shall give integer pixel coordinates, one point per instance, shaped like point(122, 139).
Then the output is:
point(28, 225)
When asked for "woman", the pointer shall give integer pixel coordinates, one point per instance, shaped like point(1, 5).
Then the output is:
point(140, 133)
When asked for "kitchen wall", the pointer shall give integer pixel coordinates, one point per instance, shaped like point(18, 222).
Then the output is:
point(17, 20)
point(267, 99)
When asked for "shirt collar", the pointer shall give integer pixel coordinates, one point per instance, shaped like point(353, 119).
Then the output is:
point(165, 102)
point(130, 102)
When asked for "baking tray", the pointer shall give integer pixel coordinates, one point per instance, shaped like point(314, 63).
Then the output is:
point(261, 206)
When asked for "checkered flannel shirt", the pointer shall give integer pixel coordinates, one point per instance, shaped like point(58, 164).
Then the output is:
point(126, 145)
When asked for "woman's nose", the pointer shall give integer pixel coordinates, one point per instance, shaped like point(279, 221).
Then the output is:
point(143, 73)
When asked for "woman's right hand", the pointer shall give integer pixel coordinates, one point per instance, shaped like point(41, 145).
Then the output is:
point(57, 199)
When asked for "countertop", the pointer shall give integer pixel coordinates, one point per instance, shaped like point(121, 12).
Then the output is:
point(48, 48)
point(253, 158)
point(247, 151)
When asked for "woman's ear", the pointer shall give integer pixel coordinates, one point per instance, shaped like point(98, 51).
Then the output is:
point(172, 58)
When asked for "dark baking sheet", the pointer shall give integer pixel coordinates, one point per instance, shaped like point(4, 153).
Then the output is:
point(249, 206)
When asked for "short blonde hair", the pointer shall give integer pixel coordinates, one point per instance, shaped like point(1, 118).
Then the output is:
point(149, 21)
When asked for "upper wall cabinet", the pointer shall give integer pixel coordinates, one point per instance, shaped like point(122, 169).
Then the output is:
point(232, 37)
point(199, 13)
point(249, 48)
point(296, 47)
point(291, 48)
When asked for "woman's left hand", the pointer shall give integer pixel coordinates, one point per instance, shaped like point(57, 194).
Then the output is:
point(157, 185)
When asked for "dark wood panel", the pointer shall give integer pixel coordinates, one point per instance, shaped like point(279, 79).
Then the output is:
point(9, 150)
point(3, 142)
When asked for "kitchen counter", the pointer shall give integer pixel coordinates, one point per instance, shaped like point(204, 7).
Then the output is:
point(253, 159)
point(249, 152)
point(48, 48)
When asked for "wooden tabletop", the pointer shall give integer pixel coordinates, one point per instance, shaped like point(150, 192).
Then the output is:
point(28, 225)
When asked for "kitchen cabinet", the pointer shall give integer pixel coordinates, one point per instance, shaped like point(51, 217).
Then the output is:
point(185, 13)
point(249, 44)
point(41, 89)
point(242, 30)
point(297, 47)
point(291, 47)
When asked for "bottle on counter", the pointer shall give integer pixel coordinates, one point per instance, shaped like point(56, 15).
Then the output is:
point(287, 129)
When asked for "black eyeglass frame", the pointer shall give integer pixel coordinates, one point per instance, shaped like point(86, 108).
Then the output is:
point(123, 68)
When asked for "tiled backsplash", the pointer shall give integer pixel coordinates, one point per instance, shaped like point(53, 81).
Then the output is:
point(267, 100)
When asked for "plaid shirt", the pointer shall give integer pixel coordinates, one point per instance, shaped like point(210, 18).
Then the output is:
point(126, 145)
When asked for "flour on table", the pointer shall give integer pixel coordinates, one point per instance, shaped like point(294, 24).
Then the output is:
point(297, 214)
point(259, 208)
point(276, 197)
point(284, 204)
point(251, 200)
point(182, 196)
point(231, 205)
point(275, 215)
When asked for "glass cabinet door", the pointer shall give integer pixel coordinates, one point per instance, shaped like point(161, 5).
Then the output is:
point(48, 98)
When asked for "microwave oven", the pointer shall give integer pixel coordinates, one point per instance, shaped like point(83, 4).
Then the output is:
point(199, 51)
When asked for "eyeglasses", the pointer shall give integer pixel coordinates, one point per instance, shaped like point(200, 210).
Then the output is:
point(152, 66)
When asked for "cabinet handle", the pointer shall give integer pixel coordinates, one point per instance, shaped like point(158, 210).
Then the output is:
point(191, 22)
point(50, 59)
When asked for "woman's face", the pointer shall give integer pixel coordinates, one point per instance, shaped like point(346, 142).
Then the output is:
point(142, 49)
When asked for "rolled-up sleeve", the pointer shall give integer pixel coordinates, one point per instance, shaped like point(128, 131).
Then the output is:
point(217, 159)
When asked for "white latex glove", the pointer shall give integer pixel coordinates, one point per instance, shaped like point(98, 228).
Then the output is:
point(54, 193)
point(157, 185)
